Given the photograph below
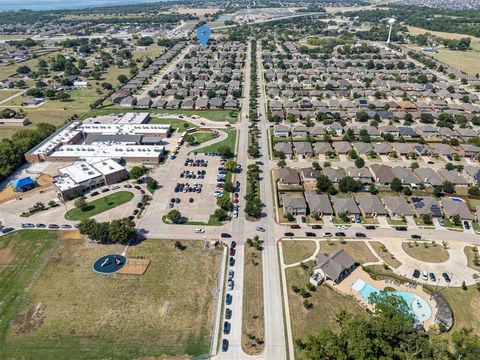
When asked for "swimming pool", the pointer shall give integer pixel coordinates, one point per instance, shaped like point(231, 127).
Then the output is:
point(457, 200)
point(419, 307)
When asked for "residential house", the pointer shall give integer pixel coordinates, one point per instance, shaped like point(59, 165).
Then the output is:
point(281, 131)
point(345, 205)
point(452, 207)
point(406, 176)
point(318, 203)
point(334, 175)
point(336, 266)
point(453, 176)
point(397, 207)
point(285, 148)
point(360, 174)
point(382, 174)
point(428, 176)
point(309, 175)
point(472, 173)
point(288, 177)
point(294, 203)
point(303, 148)
point(342, 147)
point(370, 205)
point(426, 205)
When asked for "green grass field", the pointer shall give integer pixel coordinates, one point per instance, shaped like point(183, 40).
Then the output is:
point(229, 141)
point(98, 206)
point(84, 315)
point(204, 136)
point(177, 124)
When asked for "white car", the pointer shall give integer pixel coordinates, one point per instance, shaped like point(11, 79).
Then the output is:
point(327, 234)
point(115, 187)
point(218, 193)
point(342, 227)
point(199, 231)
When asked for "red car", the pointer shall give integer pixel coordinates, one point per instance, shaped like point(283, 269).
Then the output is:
point(294, 226)
point(235, 201)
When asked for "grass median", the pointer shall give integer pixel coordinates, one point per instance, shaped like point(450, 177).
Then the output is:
point(101, 205)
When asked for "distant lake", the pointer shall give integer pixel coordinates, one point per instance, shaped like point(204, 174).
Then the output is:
point(64, 4)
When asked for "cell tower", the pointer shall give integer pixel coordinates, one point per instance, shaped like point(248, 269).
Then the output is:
point(391, 21)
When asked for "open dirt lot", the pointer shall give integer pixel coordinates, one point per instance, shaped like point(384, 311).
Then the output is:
point(66, 310)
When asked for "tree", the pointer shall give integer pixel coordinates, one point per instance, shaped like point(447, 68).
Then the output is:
point(220, 214)
point(152, 184)
point(122, 79)
point(80, 204)
point(174, 216)
point(396, 185)
point(349, 184)
point(373, 189)
point(190, 139)
point(427, 219)
point(359, 163)
point(228, 186)
point(231, 165)
point(407, 191)
point(474, 191)
point(323, 183)
point(414, 165)
point(224, 202)
point(24, 70)
point(138, 171)
point(94, 230)
point(316, 165)
point(225, 151)
point(121, 231)
point(281, 163)
point(344, 216)
point(448, 187)
point(456, 220)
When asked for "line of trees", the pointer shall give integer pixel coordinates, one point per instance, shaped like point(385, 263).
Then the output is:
point(12, 150)
point(116, 231)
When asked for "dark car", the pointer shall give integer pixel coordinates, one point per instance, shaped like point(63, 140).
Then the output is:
point(288, 234)
point(310, 234)
point(7, 230)
point(172, 200)
point(294, 226)
point(360, 235)
point(232, 252)
point(224, 345)
point(340, 234)
point(231, 261)
point(137, 187)
point(233, 245)
point(316, 226)
point(416, 273)
point(401, 228)
point(53, 226)
point(432, 277)
point(304, 219)
point(95, 193)
point(228, 314)
point(105, 190)
point(228, 299)
point(370, 227)
point(225, 235)
point(446, 277)
point(135, 212)
point(41, 226)
point(226, 327)
point(466, 225)
point(416, 236)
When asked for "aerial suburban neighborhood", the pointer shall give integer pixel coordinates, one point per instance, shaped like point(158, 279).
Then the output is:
point(231, 180)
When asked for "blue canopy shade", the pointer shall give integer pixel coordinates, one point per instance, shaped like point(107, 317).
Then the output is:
point(23, 184)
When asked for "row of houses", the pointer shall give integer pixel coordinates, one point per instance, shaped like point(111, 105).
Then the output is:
point(305, 149)
point(372, 206)
point(381, 174)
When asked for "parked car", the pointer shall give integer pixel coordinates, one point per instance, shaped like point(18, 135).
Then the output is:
point(232, 252)
point(224, 345)
point(442, 222)
point(231, 273)
point(234, 244)
point(466, 225)
point(226, 327)
point(104, 190)
point(294, 226)
point(416, 273)
point(261, 229)
point(127, 186)
point(425, 276)
point(7, 230)
point(225, 235)
point(310, 234)
point(432, 277)
point(316, 226)
point(289, 234)
point(95, 193)
point(370, 227)
point(340, 234)
point(53, 226)
point(416, 236)
point(231, 261)
point(446, 277)
point(342, 227)
point(228, 299)
point(66, 226)
point(27, 226)
point(360, 235)
point(41, 226)
point(230, 285)
point(228, 313)
point(401, 228)
point(327, 234)
point(199, 231)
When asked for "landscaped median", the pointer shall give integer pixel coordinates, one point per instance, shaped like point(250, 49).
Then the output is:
point(253, 326)
point(99, 206)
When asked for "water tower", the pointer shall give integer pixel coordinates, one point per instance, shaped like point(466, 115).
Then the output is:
point(391, 21)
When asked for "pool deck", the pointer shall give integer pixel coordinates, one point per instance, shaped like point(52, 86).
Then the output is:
point(345, 287)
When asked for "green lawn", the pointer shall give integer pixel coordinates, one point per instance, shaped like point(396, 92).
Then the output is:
point(86, 315)
point(177, 124)
point(229, 141)
point(98, 206)
point(295, 251)
point(21, 254)
point(204, 136)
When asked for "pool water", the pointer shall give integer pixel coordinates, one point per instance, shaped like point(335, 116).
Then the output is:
point(457, 200)
point(419, 307)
